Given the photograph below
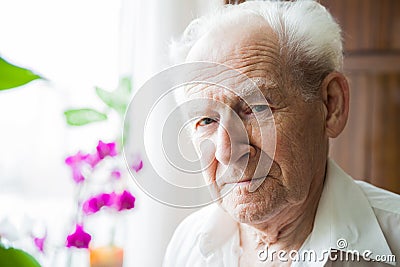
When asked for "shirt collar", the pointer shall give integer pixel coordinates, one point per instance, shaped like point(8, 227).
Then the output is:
point(342, 201)
point(345, 219)
point(217, 231)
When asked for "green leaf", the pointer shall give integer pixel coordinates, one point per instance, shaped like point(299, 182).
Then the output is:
point(13, 76)
point(16, 258)
point(112, 99)
point(119, 98)
point(78, 117)
point(125, 85)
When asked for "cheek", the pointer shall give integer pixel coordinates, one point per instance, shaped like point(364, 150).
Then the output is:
point(264, 137)
point(205, 150)
point(299, 144)
point(300, 137)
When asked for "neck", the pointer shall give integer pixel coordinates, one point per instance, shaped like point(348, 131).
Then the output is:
point(289, 228)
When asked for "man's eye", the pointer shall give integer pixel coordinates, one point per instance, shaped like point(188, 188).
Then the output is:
point(205, 121)
point(259, 108)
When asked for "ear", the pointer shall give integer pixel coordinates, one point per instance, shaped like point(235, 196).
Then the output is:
point(335, 94)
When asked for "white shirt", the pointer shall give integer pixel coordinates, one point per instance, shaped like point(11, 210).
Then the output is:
point(364, 218)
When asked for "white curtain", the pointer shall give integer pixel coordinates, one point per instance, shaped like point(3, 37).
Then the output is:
point(147, 28)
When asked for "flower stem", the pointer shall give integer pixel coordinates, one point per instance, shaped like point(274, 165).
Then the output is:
point(69, 258)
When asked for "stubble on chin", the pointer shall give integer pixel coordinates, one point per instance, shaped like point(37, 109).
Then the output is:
point(255, 207)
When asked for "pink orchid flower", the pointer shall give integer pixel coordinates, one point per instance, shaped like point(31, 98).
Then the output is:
point(76, 159)
point(106, 149)
point(137, 165)
point(116, 174)
point(92, 159)
point(95, 203)
point(78, 239)
point(75, 162)
point(77, 175)
point(39, 243)
point(125, 201)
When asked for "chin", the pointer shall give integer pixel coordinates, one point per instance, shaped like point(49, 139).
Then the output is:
point(255, 207)
point(246, 211)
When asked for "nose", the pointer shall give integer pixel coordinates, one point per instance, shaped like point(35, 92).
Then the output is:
point(231, 142)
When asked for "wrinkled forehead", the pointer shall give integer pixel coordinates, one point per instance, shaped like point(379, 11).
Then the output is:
point(245, 59)
point(248, 89)
point(218, 79)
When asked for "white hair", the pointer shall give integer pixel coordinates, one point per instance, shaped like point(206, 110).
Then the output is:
point(309, 39)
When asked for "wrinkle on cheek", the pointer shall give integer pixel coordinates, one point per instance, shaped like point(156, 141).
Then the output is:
point(299, 139)
point(210, 174)
point(206, 154)
point(208, 159)
point(288, 149)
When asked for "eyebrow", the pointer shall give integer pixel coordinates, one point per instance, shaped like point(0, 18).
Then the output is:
point(194, 114)
point(249, 90)
point(250, 87)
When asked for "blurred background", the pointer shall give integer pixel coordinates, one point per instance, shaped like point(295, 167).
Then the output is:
point(369, 148)
point(80, 45)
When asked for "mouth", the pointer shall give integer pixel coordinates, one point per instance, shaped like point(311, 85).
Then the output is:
point(251, 180)
point(248, 185)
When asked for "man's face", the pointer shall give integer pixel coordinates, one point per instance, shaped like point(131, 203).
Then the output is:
point(288, 130)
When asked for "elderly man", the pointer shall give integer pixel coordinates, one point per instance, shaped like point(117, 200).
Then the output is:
point(306, 211)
